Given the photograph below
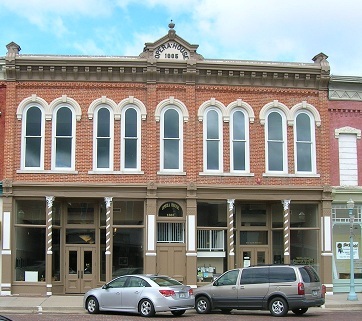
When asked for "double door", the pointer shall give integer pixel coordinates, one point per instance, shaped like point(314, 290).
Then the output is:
point(253, 256)
point(80, 267)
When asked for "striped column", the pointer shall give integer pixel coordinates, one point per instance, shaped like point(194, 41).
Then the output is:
point(108, 201)
point(286, 231)
point(49, 200)
point(230, 234)
point(48, 260)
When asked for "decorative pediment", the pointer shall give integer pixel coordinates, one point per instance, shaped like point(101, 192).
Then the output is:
point(171, 47)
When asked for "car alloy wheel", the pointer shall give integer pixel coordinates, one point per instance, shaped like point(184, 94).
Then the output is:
point(203, 305)
point(278, 307)
point(146, 308)
point(92, 305)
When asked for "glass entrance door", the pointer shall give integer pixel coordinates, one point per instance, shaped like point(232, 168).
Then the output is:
point(80, 269)
point(253, 256)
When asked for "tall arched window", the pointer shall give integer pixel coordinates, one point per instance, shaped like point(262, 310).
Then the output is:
point(131, 147)
point(33, 138)
point(304, 143)
point(212, 141)
point(171, 140)
point(276, 148)
point(103, 140)
point(239, 136)
point(63, 139)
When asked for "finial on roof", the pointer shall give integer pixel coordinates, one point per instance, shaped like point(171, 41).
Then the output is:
point(171, 25)
point(171, 32)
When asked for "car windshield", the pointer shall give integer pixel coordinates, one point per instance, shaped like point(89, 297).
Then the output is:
point(164, 281)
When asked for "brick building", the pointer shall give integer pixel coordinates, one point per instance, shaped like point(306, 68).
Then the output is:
point(345, 106)
point(165, 162)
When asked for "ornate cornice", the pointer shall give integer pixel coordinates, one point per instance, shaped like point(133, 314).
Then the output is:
point(345, 88)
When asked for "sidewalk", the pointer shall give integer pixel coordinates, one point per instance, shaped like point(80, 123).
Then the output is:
point(74, 303)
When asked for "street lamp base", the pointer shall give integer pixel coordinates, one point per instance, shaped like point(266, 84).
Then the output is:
point(352, 297)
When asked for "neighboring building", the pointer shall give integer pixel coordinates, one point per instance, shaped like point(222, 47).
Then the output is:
point(162, 163)
point(345, 106)
point(2, 134)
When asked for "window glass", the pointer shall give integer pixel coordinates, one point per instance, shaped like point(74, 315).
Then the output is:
point(130, 138)
point(212, 140)
point(253, 237)
point(303, 215)
point(254, 276)
point(80, 213)
point(127, 251)
point(253, 215)
point(103, 138)
point(238, 140)
point(30, 212)
point(63, 139)
point(136, 282)
point(212, 214)
point(309, 274)
point(80, 236)
point(128, 212)
point(118, 283)
point(303, 247)
point(229, 278)
point(304, 143)
point(33, 137)
point(56, 254)
point(30, 254)
point(164, 281)
point(171, 139)
point(275, 142)
point(282, 274)
point(277, 215)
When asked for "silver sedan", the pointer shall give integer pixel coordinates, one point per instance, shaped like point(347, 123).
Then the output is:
point(141, 293)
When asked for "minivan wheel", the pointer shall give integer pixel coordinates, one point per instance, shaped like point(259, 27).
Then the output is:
point(278, 307)
point(203, 305)
point(300, 311)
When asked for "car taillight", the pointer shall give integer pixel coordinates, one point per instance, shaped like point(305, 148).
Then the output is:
point(167, 293)
point(301, 288)
point(191, 292)
point(324, 290)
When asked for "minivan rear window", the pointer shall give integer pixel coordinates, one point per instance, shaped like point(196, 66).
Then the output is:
point(282, 274)
point(309, 275)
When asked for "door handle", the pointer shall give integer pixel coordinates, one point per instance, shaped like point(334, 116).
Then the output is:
point(78, 274)
point(81, 274)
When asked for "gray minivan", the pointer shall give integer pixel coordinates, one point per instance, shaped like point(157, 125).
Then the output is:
point(277, 288)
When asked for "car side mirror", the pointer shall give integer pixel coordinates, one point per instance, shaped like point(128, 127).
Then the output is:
point(106, 286)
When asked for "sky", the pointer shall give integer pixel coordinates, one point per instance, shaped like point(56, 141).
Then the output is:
point(262, 30)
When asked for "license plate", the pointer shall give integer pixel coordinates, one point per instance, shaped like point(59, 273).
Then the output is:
point(314, 292)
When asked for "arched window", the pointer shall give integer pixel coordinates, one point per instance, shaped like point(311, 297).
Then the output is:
point(276, 147)
point(239, 137)
point(212, 140)
point(131, 135)
point(171, 140)
point(103, 138)
point(304, 135)
point(63, 139)
point(33, 138)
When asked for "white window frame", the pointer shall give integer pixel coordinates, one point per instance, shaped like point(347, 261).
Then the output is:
point(284, 142)
point(247, 148)
point(24, 137)
point(111, 138)
point(73, 136)
point(180, 140)
point(312, 142)
point(138, 138)
point(220, 140)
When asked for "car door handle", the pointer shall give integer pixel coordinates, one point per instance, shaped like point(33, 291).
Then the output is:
point(136, 292)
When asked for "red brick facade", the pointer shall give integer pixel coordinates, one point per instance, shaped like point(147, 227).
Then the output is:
point(2, 127)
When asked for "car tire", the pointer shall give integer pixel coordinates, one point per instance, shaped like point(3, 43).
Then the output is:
point(146, 308)
point(203, 305)
point(300, 311)
point(92, 305)
point(178, 313)
point(278, 307)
